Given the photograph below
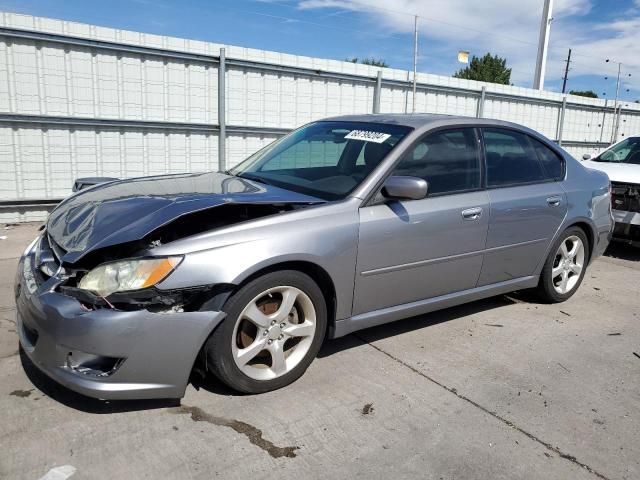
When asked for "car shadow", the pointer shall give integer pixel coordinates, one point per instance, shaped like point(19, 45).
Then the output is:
point(623, 251)
point(83, 403)
point(212, 385)
point(418, 322)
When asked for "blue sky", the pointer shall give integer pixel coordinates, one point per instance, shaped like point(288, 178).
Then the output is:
point(596, 30)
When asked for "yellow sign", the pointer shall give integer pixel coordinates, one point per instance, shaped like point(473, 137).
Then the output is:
point(463, 57)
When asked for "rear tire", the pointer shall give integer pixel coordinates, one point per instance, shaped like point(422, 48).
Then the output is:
point(274, 328)
point(565, 266)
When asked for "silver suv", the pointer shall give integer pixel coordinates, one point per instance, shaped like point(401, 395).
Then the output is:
point(341, 225)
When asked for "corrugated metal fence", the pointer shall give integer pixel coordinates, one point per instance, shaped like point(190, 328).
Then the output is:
point(81, 100)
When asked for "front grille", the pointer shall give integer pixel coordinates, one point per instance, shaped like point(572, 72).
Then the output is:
point(625, 196)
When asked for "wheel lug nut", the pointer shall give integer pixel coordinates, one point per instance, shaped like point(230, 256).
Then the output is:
point(281, 337)
point(265, 333)
point(270, 342)
point(282, 325)
point(273, 322)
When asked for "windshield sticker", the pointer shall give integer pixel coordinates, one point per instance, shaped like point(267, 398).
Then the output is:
point(367, 136)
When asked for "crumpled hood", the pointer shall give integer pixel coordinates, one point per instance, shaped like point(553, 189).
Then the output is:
point(128, 210)
point(617, 172)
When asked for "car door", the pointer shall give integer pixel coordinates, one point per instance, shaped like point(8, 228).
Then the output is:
point(527, 201)
point(411, 250)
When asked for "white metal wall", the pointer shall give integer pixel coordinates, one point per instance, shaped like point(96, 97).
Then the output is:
point(46, 79)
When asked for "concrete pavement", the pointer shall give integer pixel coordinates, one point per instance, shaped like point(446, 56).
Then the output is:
point(500, 388)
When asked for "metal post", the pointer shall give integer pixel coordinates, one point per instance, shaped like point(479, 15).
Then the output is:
point(604, 118)
point(615, 103)
point(616, 117)
point(376, 93)
point(222, 117)
point(480, 108)
point(617, 125)
point(561, 120)
point(543, 44)
point(415, 60)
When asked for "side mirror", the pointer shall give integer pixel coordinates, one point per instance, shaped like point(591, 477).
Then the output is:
point(82, 183)
point(405, 188)
point(586, 156)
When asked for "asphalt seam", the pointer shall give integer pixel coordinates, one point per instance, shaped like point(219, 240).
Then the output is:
point(531, 436)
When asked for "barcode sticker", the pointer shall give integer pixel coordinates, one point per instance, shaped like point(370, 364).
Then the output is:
point(367, 136)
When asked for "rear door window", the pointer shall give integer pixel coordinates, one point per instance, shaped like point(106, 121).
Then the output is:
point(552, 164)
point(511, 159)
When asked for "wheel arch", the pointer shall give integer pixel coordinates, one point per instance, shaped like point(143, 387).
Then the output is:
point(585, 224)
point(589, 231)
point(317, 273)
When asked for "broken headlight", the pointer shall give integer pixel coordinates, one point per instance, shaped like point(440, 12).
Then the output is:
point(128, 275)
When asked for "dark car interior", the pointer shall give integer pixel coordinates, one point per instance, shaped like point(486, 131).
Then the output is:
point(314, 169)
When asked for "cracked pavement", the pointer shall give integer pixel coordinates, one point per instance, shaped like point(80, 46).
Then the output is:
point(500, 388)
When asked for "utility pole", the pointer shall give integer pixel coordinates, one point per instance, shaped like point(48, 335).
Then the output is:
point(415, 60)
point(566, 73)
point(618, 84)
point(616, 113)
point(543, 44)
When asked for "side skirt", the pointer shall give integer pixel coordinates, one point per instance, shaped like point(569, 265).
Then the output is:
point(398, 312)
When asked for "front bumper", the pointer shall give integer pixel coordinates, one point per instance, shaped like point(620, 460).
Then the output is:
point(108, 353)
point(627, 226)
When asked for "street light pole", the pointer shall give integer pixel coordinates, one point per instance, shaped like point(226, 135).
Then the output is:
point(543, 44)
point(415, 60)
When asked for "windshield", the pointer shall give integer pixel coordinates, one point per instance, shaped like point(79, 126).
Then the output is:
point(323, 159)
point(627, 151)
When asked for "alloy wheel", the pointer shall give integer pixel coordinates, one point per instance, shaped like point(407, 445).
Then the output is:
point(273, 333)
point(568, 265)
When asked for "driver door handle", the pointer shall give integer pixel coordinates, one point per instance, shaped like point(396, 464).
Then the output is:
point(472, 213)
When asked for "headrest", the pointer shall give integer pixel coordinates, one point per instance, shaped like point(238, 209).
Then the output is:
point(375, 152)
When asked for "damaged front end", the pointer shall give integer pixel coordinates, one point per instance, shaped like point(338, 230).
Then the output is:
point(50, 259)
point(128, 345)
point(625, 202)
point(90, 311)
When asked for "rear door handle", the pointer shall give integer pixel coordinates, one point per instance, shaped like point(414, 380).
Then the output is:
point(472, 213)
point(554, 201)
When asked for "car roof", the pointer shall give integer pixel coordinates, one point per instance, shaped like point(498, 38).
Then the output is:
point(420, 120)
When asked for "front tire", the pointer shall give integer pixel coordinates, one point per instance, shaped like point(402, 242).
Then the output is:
point(565, 266)
point(274, 328)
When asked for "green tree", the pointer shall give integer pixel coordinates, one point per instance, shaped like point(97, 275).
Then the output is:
point(490, 68)
point(368, 61)
point(584, 93)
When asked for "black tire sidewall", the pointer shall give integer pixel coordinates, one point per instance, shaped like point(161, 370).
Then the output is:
point(218, 347)
point(546, 289)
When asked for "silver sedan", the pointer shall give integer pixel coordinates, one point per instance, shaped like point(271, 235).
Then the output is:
point(343, 224)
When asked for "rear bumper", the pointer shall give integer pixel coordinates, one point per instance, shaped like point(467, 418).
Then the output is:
point(108, 353)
